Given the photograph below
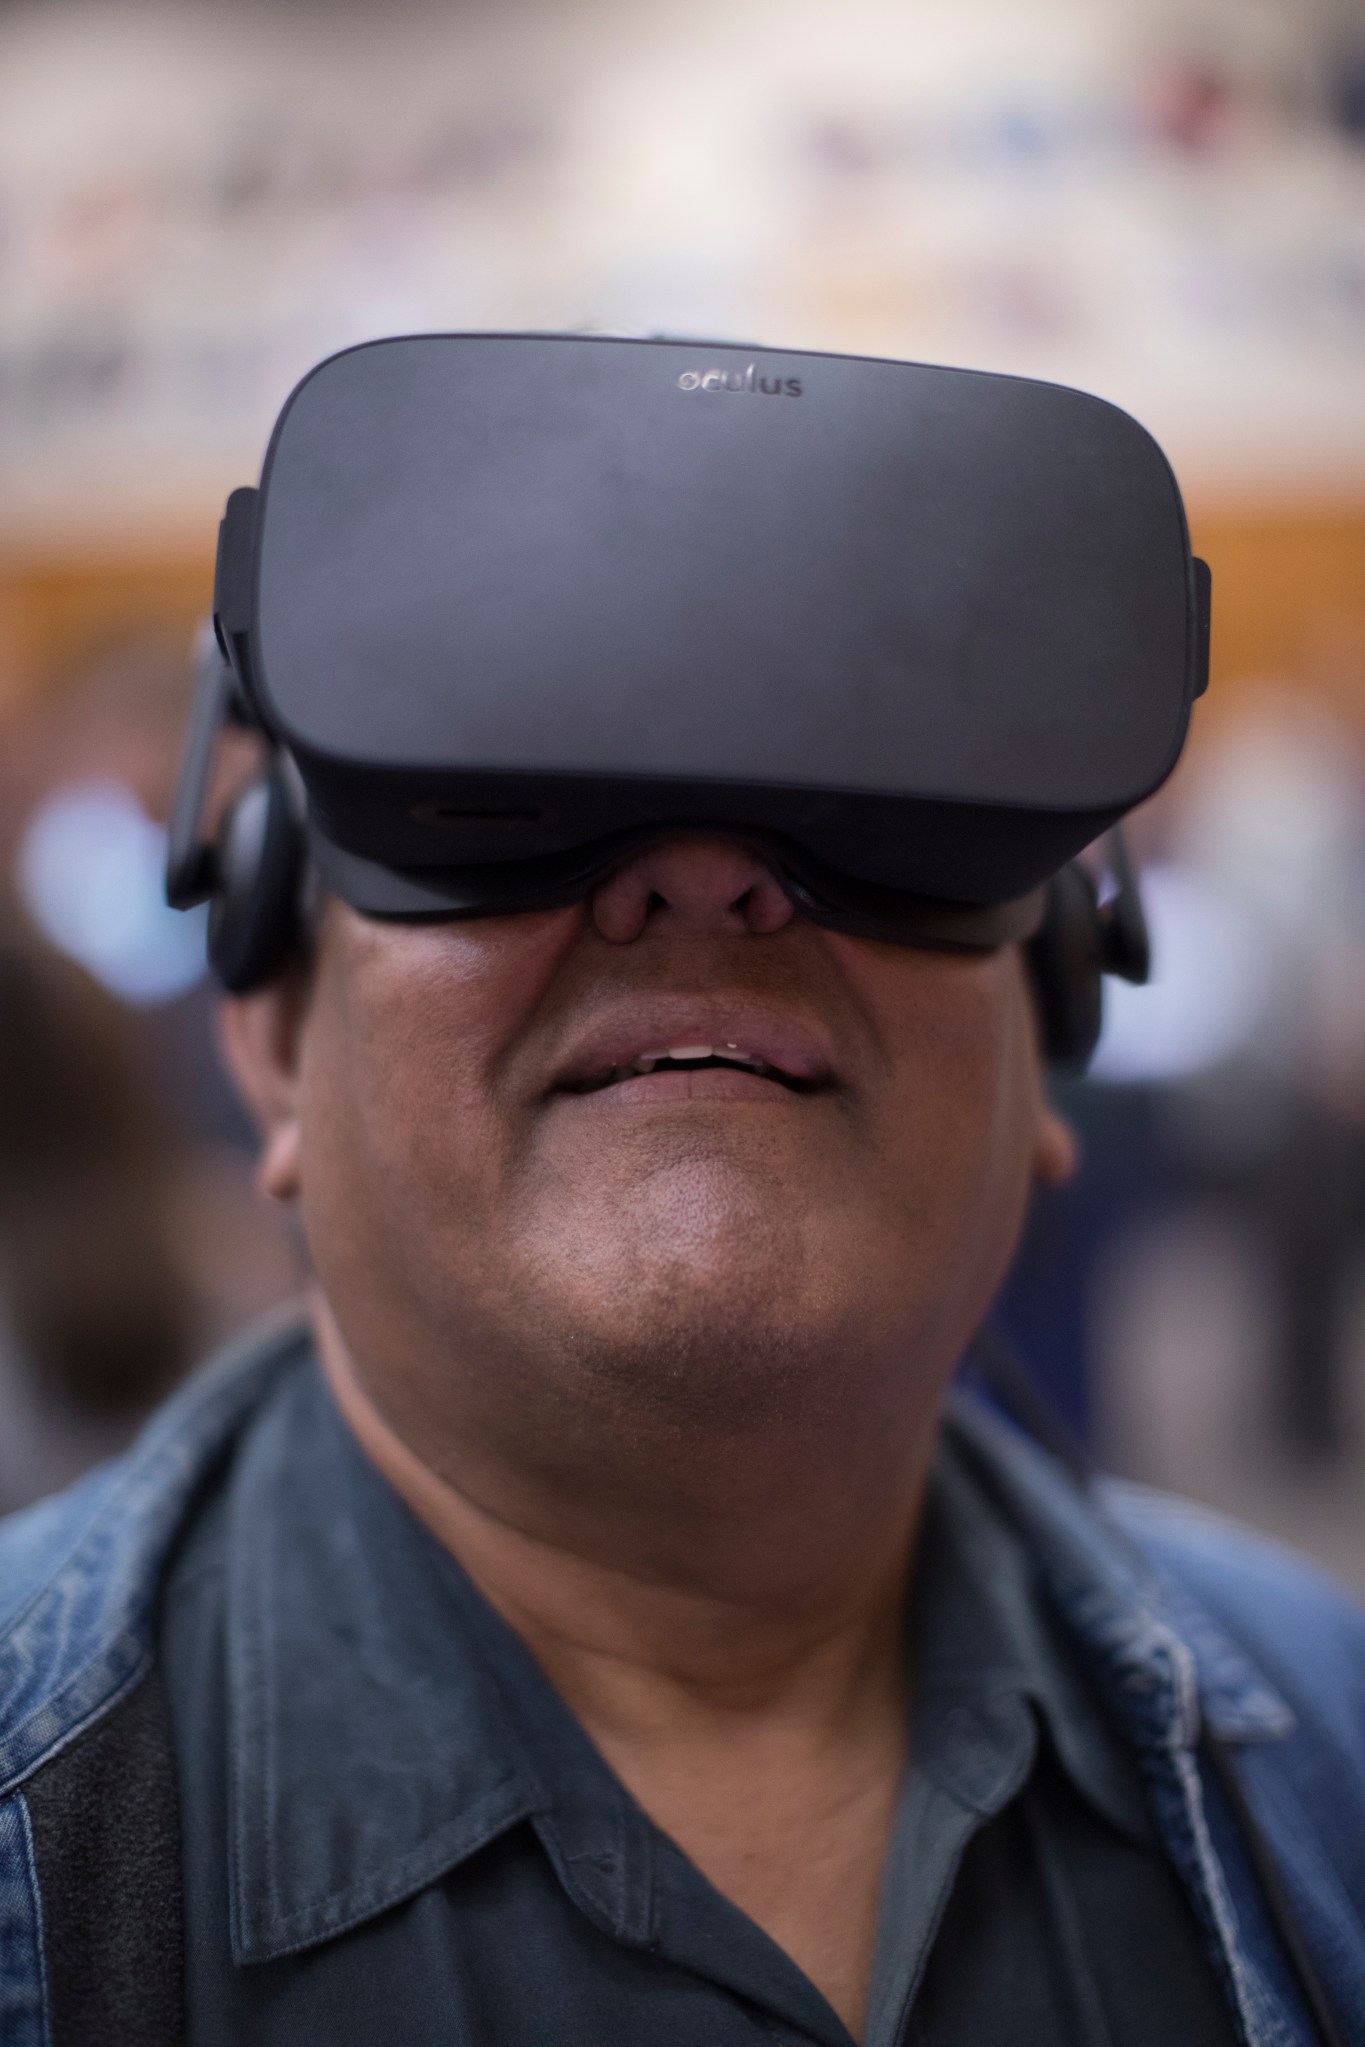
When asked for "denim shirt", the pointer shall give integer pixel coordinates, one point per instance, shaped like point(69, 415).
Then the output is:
point(1179, 1621)
point(391, 1821)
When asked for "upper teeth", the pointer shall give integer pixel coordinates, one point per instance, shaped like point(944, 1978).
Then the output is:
point(647, 1061)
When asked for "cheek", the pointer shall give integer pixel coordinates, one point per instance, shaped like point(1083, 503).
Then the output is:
point(999, 1123)
point(962, 1098)
point(400, 1116)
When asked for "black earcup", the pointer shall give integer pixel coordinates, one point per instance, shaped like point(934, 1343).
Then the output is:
point(1065, 959)
point(254, 907)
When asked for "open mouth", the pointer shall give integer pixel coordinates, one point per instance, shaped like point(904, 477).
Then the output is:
point(694, 1059)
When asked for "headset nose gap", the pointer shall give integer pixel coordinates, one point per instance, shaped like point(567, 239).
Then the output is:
point(705, 883)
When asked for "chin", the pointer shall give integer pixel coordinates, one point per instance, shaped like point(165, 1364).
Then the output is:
point(695, 1366)
point(711, 1303)
point(713, 1226)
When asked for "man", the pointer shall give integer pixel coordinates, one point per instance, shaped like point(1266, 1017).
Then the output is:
point(588, 1628)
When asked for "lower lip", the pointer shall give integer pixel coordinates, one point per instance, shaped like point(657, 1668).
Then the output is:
point(704, 1084)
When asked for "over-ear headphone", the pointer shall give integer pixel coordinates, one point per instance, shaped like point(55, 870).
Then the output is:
point(258, 868)
point(1079, 941)
point(254, 877)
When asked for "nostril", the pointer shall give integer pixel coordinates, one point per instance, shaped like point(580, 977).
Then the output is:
point(767, 907)
point(706, 884)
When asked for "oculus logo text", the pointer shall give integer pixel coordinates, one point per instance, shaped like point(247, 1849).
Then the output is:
point(740, 380)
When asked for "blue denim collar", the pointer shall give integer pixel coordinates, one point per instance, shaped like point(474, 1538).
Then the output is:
point(1162, 1659)
point(80, 1574)
point(988, 1650)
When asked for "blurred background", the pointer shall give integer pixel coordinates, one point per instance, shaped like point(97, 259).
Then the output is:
point(1160, 200)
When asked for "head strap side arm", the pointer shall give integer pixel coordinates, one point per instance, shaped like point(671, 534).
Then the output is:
point(234, 584)
point(190, 860)
point(1125, 944)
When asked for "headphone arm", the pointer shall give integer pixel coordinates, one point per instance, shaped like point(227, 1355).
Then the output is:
point(1125, 945)
point(191, 863)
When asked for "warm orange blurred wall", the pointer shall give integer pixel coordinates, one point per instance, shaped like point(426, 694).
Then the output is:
point(1289, 602)
point(56, 615)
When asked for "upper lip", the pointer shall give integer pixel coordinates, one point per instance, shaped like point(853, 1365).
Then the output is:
point(749, 1030)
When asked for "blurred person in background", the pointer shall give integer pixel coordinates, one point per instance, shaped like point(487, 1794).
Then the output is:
point(1272, 825)
point(1225, 1111)
point(87, 772)
point(130, 1232)
point(99, 1313)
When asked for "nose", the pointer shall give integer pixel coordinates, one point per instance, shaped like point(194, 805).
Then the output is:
point(705, 884)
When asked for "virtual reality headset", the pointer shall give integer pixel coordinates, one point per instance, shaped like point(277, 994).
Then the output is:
point(515, 604)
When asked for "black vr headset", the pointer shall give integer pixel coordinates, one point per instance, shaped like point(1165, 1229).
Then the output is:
point(508, 607)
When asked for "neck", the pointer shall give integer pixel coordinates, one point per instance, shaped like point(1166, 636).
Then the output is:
point(727, 1622)
point(744, 1584)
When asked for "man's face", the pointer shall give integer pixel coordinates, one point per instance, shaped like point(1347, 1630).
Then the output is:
point(508, 1205)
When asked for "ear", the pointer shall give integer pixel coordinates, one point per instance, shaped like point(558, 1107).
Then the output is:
point(1055, 1152)
point(261, 1037)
